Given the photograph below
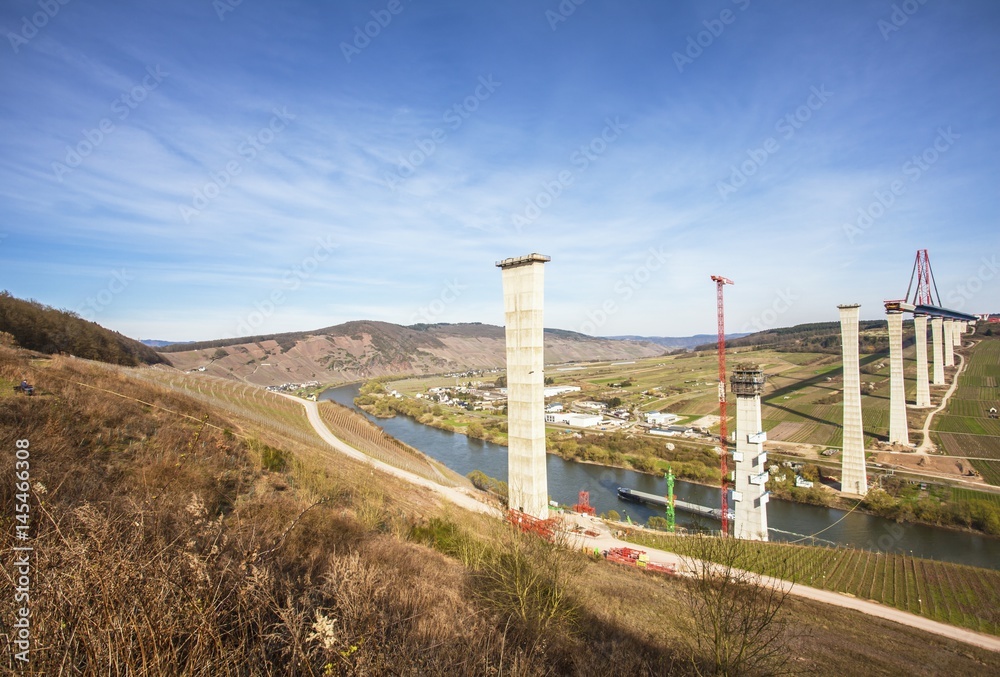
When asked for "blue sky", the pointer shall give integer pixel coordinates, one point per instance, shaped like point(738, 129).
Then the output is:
point(197, 170)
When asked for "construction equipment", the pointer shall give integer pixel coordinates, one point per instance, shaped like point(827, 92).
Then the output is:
point(583, 505)
point(639, 559)
point(671, 520)
point(720, 282)
point(544, 529)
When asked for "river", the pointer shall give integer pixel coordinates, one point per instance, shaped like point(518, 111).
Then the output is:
point(787, 521)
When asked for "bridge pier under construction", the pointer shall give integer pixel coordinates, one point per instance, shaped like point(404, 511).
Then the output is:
point(750, 493)
point(523, 299)
point(853, 471)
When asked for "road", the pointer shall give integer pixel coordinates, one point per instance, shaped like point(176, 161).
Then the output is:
point(606, 540)
point(925, 445)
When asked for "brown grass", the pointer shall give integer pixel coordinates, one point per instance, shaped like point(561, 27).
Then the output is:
point(164, 547)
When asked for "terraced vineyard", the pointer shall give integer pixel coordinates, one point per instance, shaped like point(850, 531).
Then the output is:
point(248, 402)
point(951, 593)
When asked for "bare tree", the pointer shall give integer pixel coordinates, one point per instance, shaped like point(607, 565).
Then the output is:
point(737, 625)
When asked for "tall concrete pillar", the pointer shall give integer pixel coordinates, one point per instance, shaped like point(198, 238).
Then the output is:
point(956, 332)
point(923, 385)
point(937, 329)
point(853, 472)
point(898, 431)
point(523, 300)
point(949, 343)
point(750, 493)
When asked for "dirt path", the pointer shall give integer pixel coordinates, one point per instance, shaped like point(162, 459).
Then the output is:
point(606, 540)
point(925, 445)
point(457, 496)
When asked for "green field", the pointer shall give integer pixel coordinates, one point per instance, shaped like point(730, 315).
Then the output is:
point(951, 593)
point(964, 428)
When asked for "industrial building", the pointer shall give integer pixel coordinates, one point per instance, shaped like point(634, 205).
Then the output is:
point(661, 418)
point(575, 420)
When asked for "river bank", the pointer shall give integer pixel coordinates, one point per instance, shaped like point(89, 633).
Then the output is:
point(896, 500)
point(789, 522)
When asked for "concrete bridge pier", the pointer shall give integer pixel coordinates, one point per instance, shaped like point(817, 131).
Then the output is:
point(898, 427)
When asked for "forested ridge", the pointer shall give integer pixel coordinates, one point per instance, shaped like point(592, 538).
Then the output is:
point(39, 327)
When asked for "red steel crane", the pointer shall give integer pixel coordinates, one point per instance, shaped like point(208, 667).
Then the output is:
point(926, 291)
point(720, 282)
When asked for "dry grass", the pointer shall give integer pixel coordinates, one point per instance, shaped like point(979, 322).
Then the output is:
point(166, 546)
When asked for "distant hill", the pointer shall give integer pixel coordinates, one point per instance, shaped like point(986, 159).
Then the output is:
point(48, 330)
point(366, 349)
point(157, 343)
point(816, 337)
point(674, 342)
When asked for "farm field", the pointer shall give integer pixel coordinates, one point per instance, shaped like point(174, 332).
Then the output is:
point(965, 428)
point(951, 593)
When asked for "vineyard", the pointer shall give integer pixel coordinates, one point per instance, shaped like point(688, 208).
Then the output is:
point(287, 417)
point(248, 402)
point(958, 494)
point(965, 428)
point(951, 593)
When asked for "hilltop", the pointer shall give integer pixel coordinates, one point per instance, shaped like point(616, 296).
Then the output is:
point(368, 349)
point(47, 330)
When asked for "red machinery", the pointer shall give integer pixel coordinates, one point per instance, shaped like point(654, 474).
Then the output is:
point(532, 525)
point(723, 423)
point(583, 505)
point(639, 559)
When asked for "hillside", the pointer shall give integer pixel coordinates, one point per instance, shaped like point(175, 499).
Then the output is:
point(674, 342)
point(194, 539)
point(815, 337)
point(365, 349)
point(47, 330)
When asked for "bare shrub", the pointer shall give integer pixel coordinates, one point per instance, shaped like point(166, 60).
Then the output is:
point(736, 625)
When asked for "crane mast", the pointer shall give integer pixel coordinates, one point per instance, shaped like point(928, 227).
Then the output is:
point(720, 282)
